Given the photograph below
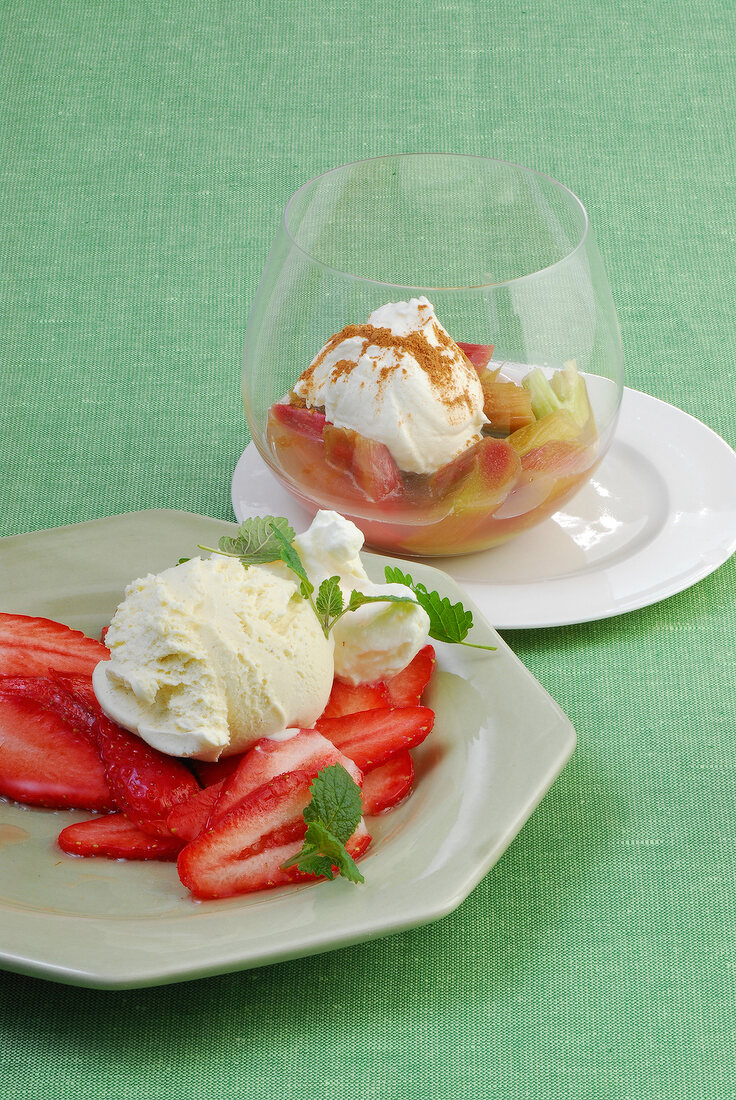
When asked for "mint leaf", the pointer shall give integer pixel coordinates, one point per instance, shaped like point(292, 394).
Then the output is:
point(357, 599)
point(336, 802)
point(322, 851)
point(448, 622)
point(255, 542)
point(311, 860)
point(329, 600)
point(332, 817)
point(288, 555)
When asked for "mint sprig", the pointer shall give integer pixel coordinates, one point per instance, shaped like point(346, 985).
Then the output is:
point(264, 539)
point(448, 622)
point(332, 816)
point(259, 540)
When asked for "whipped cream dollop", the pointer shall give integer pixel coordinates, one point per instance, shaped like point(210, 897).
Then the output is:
point(379, 639)
point(207, 657)
point(400, 379)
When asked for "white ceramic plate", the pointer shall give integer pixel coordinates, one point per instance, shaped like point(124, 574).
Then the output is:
point(499, 742)
point(658, 515)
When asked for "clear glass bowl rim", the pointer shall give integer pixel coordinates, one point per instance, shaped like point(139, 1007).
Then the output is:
point(480, 288)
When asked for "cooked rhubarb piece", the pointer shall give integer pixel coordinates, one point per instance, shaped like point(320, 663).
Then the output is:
point(369, 462)
point(564, 391)
point(554, 426)
point(113, 836)
point(384, 787)
point(302, 420)
point(478, 354)
point(563, 458)
point(300, 455)
point(506, 405)
point(480, 478)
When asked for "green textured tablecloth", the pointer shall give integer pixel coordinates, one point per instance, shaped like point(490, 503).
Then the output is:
point(148, 151)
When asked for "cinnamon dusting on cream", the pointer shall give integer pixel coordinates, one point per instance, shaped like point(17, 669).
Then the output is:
point(439, 362)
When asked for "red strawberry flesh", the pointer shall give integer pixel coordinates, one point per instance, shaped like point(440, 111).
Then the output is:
point(371, 737)
point(244, 851)
point(44, 761)
point(349, 698)
point(388, 785)
point(306, 751)
point(406, 687)
point(32, 646)
point(113, 836)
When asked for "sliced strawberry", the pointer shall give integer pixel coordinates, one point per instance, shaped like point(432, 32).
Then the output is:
point(31, 646)
point(307, 751)
point(478, 354)
point(213, 771)
point(113, 836)
point(245, 850)
point(373, 736)
point(384, 787)
point(304, 421)
point(406, 687)
point(145, 783)
point(349, 698)
point(72, 699)
point(187, 819)
point(44, 761)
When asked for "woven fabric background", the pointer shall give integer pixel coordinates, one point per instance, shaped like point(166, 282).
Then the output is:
point(148, 151)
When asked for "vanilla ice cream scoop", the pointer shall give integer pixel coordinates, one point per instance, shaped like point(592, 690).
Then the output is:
point(401, 380)
point(207, 657)
point(379, 639)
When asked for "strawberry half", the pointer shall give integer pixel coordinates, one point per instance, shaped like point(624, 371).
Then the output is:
point(187, 819)
point(113, 836)
point(31, 646)
point(307, 751)
point(406, 687)
point(371, 737)
point(384, 787)
point(349, 698)
point(146, 784)
point(44, 761)
point(212, 771)
point(245, 850)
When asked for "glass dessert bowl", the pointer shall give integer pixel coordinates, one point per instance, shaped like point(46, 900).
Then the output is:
point(433, 351)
